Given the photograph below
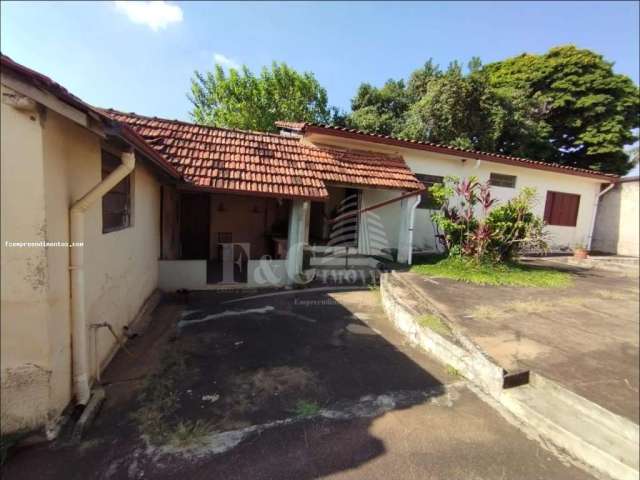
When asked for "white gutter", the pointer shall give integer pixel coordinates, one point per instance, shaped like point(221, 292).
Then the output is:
point(596, 202)
point(76, 266)
point(412, 220)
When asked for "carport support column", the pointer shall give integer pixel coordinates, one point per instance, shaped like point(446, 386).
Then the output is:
point(298, 238)
point(405, 235)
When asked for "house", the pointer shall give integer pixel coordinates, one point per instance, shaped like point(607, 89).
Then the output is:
point(253, 196)
point(102, 208)
point(617, 224)
point(60, 157)
point(566, 195)
point(99, 209)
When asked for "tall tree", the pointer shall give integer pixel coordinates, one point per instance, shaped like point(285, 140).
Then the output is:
point(379, 110)
point(243, 100)
point(455, 109)
point(584, 111)
point(566, 106)
point(448, 107)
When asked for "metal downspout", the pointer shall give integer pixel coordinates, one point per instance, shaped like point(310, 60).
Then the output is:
point(412, 221)
point(596, 203)
point(76, 267)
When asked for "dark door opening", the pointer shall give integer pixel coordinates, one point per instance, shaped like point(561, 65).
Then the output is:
point(194, 226)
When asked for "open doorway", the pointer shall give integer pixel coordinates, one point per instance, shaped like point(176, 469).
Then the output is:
point(194, 223)
point(324, 230)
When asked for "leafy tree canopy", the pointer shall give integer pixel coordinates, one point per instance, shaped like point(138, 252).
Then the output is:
point(566, 106)
point(586, 111)
point(243, 100)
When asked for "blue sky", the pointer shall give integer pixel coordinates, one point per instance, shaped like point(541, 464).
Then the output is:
point(141, 60)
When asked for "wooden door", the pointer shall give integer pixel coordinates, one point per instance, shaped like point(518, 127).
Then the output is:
point(194, 226)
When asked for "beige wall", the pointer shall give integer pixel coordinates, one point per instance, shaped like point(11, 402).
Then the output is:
point(25, 313)
point(48, 163)
point(617, 222)
point(249, 220)
point(443, 165)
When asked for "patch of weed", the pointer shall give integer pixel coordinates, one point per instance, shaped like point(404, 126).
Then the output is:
point(529, 307)
point(611, 295)
point(435, 323)
point(487, 312)
point(375, 290)
point(159, 398)
point(306, 408)
point(189, 433)
point(509, 274)
point(453, 372)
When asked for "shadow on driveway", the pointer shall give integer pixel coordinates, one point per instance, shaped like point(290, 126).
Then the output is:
point(223, 366)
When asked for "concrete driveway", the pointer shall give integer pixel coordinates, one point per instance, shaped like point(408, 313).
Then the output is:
point(286, 385)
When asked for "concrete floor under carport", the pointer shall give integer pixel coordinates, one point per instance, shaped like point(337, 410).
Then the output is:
point(250, 358)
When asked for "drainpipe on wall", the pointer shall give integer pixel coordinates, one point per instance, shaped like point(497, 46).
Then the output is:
point(412, 221)
point(76, 267)
point(297, 238)
point(405, 239)
point(596, 202)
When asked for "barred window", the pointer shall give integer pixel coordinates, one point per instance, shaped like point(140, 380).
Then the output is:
point(427, 201)
point(500, 180)
point(116, 203)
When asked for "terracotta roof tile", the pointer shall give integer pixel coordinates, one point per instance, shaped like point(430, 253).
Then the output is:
point(45, 83)
point(302, 128)
point(252, 162)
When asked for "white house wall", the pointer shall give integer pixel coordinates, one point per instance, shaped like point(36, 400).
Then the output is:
point(543, 181)
point(429, 163)
point(618, 220)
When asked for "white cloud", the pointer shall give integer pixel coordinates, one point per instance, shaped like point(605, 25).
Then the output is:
point(220, 59)
point(154, 14)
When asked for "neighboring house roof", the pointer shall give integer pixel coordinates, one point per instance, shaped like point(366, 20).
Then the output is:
point(46, 84)
point(261, 163)
point(305, 128)
point(634, 178)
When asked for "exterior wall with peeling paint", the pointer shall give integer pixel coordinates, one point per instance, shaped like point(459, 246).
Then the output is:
point(49, 162)
point(25, 314)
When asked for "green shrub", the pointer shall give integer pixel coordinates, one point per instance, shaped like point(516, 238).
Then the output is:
point(470, 226)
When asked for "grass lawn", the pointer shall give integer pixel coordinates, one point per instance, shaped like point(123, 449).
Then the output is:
point(512, 274)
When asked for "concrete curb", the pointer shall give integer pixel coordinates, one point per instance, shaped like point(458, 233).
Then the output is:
point(596, 439)
point(461, 355)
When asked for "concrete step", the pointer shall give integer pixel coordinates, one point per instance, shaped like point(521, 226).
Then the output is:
point(351, 261)
point(354, 275)
point(604, 441)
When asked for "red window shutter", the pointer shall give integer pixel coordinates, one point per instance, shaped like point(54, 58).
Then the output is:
point(548, 207)
point(561, 209)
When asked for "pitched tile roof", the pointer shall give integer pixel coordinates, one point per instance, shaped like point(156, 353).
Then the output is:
point(46, 84)
point(297, 126)
point(445, 149)
point(260, 163)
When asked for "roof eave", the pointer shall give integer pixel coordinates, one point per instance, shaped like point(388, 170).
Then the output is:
point(309, 129)
point(190, 186)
